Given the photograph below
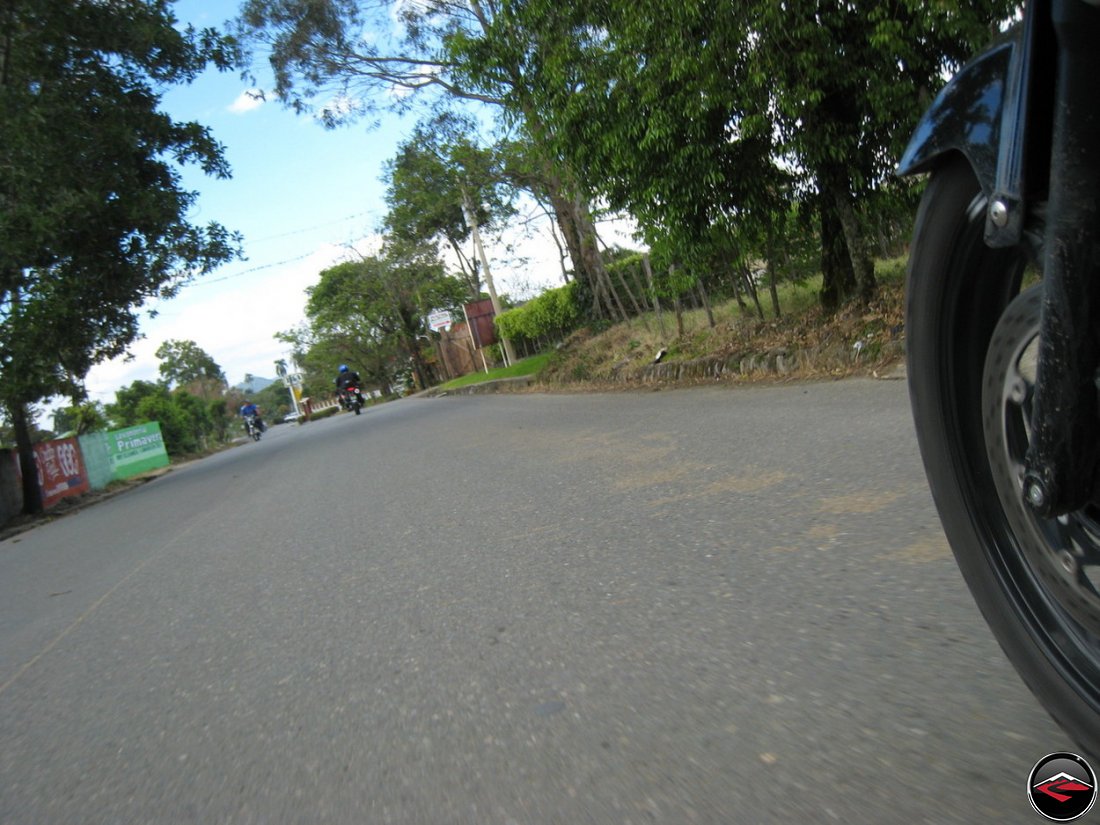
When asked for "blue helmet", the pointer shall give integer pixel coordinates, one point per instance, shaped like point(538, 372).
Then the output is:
point(343, 368)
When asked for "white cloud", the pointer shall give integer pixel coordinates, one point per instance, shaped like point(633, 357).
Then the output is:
point(340, 106)
point(234, 321)
point(247, 100)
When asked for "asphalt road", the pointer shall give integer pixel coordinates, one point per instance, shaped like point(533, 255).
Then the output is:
point(704, 606)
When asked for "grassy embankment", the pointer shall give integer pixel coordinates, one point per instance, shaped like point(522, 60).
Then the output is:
point(828, 341)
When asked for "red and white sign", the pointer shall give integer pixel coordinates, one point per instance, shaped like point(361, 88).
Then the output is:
point(440, 320)
point(61, 470)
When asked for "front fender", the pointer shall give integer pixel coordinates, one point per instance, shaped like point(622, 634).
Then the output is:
point(965, 117)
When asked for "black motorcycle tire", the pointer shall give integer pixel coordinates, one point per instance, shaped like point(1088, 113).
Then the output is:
point(957, 289)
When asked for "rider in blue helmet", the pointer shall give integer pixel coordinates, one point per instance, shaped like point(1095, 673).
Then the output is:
point(248, 409)
point(346, 378)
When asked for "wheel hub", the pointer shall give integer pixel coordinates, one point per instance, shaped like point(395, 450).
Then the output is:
point(1063, 554)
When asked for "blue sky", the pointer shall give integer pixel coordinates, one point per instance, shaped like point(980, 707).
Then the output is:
point(301, 196)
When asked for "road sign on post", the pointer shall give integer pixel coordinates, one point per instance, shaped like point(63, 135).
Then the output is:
point(440, 319)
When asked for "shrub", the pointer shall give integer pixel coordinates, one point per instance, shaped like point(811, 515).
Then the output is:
point(552, 314)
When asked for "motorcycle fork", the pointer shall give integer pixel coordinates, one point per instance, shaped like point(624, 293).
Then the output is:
point(1060, 473)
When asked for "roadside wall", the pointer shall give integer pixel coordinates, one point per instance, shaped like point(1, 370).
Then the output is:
point(135, 450)
point(69, 467)
point(60, 469)
point(11, 493)
point(97, 459)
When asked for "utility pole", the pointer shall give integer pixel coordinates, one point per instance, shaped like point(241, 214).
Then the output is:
point(470, 214)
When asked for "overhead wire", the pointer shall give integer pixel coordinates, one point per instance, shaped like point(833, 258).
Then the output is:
point(272, 265)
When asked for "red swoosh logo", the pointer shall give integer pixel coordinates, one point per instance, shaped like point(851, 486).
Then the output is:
point(1053, 787)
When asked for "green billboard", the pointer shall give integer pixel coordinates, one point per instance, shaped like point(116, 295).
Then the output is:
point(136, 450)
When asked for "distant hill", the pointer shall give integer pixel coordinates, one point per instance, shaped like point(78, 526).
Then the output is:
point(257, 384)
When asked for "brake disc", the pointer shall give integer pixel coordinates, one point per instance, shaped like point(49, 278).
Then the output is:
point(1063, 554)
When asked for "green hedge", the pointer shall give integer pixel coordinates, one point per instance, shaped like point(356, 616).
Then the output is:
point(552, 314)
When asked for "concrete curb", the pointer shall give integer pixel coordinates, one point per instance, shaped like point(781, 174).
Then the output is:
point(776, 364)
point(499, 385)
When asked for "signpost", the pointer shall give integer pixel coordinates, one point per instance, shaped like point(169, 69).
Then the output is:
point(293, 382)
point(440, 319)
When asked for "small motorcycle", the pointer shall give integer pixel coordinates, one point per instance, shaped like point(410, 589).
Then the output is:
point(1003, 344)
point(351, 399)
point(254, 426)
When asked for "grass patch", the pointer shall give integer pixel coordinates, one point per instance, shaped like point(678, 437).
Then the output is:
point(875, 331)
point(602, 352)
point(528, 366)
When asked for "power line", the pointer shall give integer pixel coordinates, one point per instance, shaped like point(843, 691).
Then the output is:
point(310, 228)
point(250, 270)
point(283, 262)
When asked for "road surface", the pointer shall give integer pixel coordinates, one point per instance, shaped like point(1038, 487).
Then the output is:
point(703, 606)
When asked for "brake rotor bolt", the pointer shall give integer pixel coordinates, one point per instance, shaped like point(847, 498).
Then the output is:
point(998, 214)
point(1036, 495)
point(1068, 561)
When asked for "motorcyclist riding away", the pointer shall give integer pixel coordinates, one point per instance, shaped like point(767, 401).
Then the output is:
point(346, 378)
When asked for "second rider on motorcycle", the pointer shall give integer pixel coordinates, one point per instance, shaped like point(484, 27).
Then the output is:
point(345, 379)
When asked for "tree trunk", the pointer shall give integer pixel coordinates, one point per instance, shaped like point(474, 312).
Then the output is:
point(571, 235)
point(593, 263)
point(630, 293)
point(581, 241)
point(706, 304)
point(420, 373)
point(738, 291)
point(773, 286)
point(32, 493)
point(653, 292)
point(677, 305)
point(838, 277)
point(468, 269)
point(636, 288)
point(750, 287)
point(863, 264)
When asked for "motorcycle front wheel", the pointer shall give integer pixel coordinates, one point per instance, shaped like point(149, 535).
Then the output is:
point(971, 339)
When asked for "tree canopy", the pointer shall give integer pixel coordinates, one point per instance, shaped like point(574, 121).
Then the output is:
point(93, 219)
point(701, 119)
point(371, 313)
point(439, 179)
point(342, 59)
point(696, 116)
point(185, 362)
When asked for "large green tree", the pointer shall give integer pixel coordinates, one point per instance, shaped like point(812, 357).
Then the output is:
point(697, 115)
point(845, 82)
point(93, 219)
point(437, 172)
point(444, 185)
point(642, 98)
point(344, 58)
point(83, 418)
point(186, 364)
point(189, 423)
point(381, 303)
